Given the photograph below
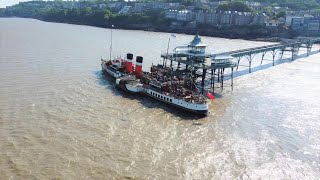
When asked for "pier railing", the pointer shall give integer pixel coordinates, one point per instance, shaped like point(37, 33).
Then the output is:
point(291, 46)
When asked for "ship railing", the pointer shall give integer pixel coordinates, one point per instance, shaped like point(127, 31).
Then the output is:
point(130, 78)
point(195, 99)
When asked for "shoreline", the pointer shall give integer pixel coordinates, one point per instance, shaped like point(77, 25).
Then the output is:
point(148, 28)
point(201, 32)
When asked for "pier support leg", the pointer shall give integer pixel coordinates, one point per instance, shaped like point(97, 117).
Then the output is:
point(263, 54)
point(178, 65)
point(238, 63)
point(250, 58)
point(294, 51)
point(309, 48)
point(211, 78)
point(214, 74)
point(250, 61)
point(171, 63)
point(218, 75)
point(222, 76)
point(204, 72)
point(282, 51)
point(232, 78)
point(274, 53)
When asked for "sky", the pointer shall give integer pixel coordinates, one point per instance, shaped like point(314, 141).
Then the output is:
point(4, 3)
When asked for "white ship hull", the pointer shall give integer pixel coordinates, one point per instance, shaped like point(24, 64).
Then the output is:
point(189, 106)
point(134, 87)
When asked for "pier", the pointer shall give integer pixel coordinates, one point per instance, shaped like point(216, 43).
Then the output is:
point(209, 69)
point(293, 47)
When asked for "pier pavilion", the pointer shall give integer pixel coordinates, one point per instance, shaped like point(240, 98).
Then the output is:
point(194, 59)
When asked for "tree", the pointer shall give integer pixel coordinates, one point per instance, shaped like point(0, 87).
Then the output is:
point(2, 12)
point(223, 7)
point(204, 8)
point(234, 6)
point(281, 14)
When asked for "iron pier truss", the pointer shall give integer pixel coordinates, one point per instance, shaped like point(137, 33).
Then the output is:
point(209, 69)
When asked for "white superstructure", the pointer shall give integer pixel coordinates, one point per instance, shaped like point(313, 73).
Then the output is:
point(201, 108)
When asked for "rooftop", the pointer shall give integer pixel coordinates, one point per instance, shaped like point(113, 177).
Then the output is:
point(197, 42)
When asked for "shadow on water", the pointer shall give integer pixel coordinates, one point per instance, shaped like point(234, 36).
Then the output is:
point(268, 65)
point(146, 101)
point(217, 95)
point(107, 82)
point(219, 91)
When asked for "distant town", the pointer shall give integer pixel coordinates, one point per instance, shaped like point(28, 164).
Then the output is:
point(232, 19)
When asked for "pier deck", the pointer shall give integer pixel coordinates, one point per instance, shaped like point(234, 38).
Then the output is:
point(292, 46)
point(202, 64)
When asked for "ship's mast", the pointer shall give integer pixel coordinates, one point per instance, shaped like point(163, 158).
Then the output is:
point(173, 36)
point(167, 52)
point(111, 42)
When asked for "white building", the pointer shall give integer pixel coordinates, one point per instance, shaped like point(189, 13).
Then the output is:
point(313, 26)
point(272, 24)
point(171, 14)
point(124, 10)
point(242, 18)
point(226, 18)
point(201, 17)
point(212, 18)
point(185, 15)
point(260, 19)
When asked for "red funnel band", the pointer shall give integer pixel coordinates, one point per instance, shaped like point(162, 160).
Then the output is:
point(129, 66)
point(138, 69)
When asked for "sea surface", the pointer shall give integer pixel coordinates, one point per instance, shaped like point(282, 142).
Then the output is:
point(61, 118)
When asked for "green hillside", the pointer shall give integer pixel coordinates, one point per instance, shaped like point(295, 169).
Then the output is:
point(293, 4)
